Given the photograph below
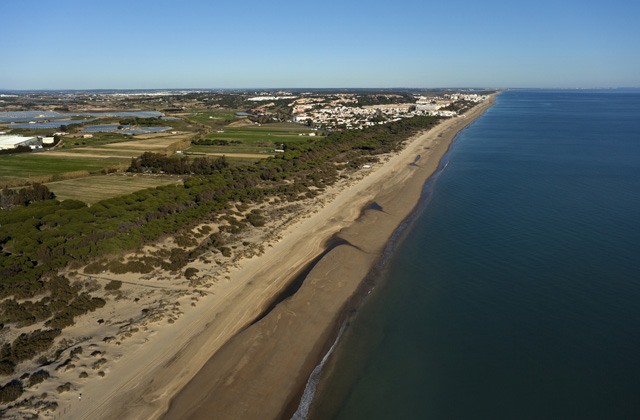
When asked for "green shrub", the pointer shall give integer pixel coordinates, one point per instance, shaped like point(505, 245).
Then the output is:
point(7, 367)
point(185, 241)
point(255, 218)
point(38, 377)
point(26, 346)
point(64, 387)
point(11, 391)
point(113, 285)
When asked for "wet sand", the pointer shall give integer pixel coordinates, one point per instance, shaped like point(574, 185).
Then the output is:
point(259, 373)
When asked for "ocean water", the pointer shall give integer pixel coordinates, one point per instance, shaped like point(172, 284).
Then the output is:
point(515, 292)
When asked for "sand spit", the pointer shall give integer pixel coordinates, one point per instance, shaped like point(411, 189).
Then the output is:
point(259, 372)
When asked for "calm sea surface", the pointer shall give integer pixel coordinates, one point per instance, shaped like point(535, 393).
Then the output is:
point(515, 293)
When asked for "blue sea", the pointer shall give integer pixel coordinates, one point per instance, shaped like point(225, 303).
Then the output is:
point(514, 293)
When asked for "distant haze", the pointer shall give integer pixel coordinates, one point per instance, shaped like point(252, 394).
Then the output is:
point(145, 44)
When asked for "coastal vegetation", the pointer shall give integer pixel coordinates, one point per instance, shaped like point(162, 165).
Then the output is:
point(159, 163)
point(48, 235)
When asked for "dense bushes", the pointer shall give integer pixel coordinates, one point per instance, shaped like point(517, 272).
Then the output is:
point(10, 391)
point(28, 345)
point(10, 198)
point(148, 121)
point(113, 285)
point(255, 218)
point(80, 305)
point(38, 377)
point(159, 163)
point(18, 149)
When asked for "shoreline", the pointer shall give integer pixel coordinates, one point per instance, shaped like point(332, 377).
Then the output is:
point(300, 409)
point(262, 371)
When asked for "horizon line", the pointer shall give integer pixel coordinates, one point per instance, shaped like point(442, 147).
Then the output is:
point(314, 88)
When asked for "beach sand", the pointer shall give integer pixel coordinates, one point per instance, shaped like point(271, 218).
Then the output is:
point(259, 372)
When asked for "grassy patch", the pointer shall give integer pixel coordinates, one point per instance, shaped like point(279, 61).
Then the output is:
point(231, 149)
point(253, 139)
point(42, 164)
point(96, 140)
point(212, 117)
point(265, 135)
point(95, 188)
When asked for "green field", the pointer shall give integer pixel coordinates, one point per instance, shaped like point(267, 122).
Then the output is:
point(88, 152)
point(254, 139)
point(95, 188)
point(97, 140)
point(29, 164)
point(212, 116)
point(240, 148)
point(266, 135)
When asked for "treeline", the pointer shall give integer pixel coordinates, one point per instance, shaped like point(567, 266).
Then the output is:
point(10, 198)
point(215, 142)
point(148, 121)
point(45, 236)
point(230, 100)
point(18, 149)
point(70, 128)
point(157, 163)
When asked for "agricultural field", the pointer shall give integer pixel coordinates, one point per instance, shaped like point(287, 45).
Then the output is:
point(126, 149)
point(28, 165)
point(231, 150)
point(98, 139)
point(265, 134)
point(89, 157)
point(212, 117)
point(252, 139)
point(95, 188)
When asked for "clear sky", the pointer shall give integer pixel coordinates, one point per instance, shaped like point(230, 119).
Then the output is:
point(68, 44)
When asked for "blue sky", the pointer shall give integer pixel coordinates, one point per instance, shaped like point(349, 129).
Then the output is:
point(70, 44)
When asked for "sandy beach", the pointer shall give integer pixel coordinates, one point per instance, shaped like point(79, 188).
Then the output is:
point(215, 345)
point(259, 373)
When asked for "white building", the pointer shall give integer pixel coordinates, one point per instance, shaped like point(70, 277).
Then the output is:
point(11, 142)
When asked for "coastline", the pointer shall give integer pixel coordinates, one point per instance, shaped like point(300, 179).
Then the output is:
point(261, 371)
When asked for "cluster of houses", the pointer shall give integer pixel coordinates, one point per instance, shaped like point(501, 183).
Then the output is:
point(333, 114)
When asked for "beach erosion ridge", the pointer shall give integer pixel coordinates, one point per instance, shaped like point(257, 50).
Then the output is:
point(250, 352)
